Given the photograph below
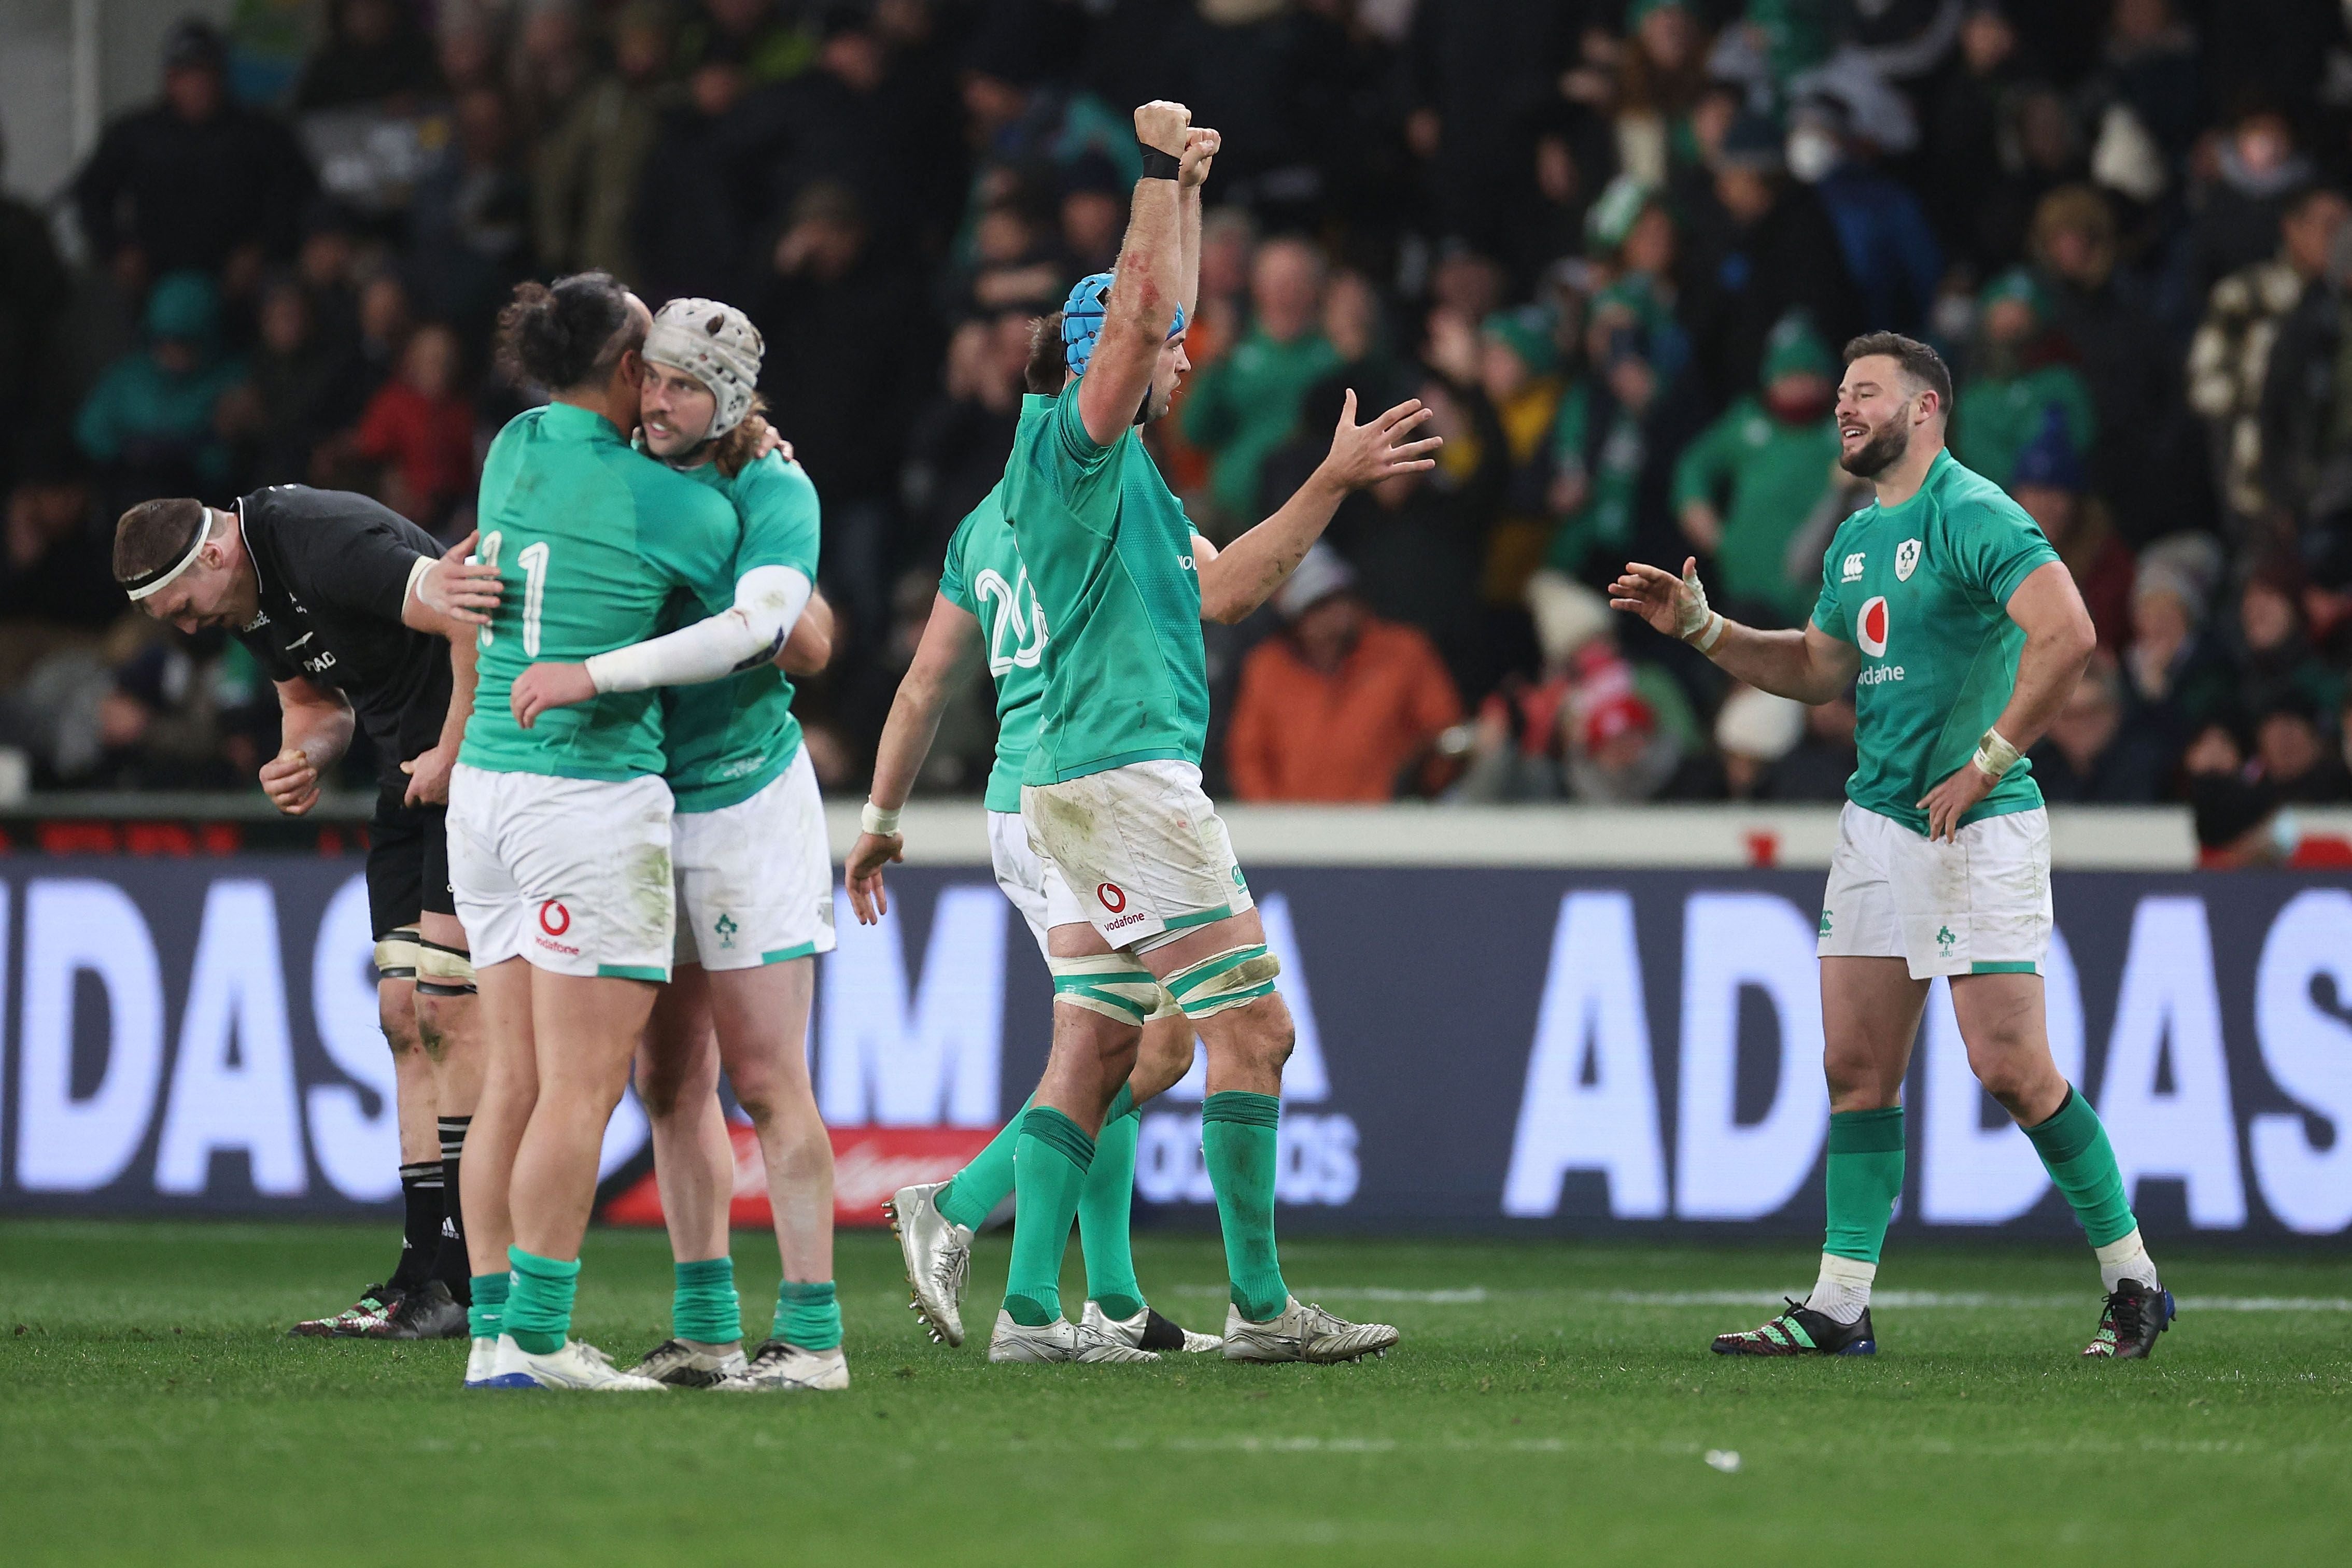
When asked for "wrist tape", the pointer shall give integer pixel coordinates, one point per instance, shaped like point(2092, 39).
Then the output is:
point(1995, 755)
point(1159, 165)
point(874, 820)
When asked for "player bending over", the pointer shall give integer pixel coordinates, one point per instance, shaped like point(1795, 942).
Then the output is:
point(753, 878)
point(1111, 796)
point(1963, 635)
point(985, 577)
point(559, 833)
point(350, 607)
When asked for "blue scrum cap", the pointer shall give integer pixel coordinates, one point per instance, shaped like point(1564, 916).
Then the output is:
point(1082, 320)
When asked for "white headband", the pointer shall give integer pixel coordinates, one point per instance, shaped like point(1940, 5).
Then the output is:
point(154, 585)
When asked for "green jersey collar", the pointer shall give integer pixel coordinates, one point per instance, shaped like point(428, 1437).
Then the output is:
point(1927, 483)
point(570, 421)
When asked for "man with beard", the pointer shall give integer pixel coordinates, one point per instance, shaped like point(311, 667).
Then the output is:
point(1963, 635)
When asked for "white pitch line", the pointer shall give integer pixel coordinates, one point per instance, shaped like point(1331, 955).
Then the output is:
point(1475, 1295)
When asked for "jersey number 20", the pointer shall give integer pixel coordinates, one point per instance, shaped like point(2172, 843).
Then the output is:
point(533, 559)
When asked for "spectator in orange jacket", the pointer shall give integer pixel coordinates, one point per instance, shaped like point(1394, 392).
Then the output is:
point(1340, 705)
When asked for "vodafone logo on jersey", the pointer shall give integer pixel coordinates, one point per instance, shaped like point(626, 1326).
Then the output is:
point(1870, 627)
point(1113, 897)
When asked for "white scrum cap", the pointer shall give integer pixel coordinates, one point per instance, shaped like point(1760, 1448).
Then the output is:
point(718, 346)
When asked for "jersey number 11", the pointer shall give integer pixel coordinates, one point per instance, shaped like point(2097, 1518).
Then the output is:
point(533, 559)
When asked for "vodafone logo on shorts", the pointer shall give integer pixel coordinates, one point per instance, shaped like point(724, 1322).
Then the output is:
point(553, 918)
point(1113, 897)
point(1870, 627)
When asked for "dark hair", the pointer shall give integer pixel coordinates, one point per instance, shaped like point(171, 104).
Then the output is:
point(1048, 364)
point(152, 534)
point(570, 334)
point(1921, 363)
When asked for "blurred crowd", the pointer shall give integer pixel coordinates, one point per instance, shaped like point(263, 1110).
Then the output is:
point(1615, 244)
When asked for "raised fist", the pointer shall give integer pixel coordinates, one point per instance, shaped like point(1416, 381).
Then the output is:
point(1163, 124)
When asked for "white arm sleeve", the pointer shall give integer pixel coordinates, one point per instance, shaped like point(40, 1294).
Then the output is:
point(767, 601)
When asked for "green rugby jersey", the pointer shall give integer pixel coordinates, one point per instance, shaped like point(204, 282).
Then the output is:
point(589, 539)
point(1110, 553)
point(1922, 588)
point(728, 738)
point(984, 575)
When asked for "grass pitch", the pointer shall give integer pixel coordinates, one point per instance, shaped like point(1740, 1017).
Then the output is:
point(1550, 1404)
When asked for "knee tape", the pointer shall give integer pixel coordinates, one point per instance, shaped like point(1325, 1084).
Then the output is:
point(1232, 979)
point(1165, 1008)
point(395, 954)
point(1112, 984)
point(443, 971)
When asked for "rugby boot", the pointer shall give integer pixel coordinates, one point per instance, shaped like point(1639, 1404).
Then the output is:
point(1303, 1332)
point(574, 1364)
point(1800, 1331)
point(683, 1365)
point(481, 1360)
point(937, 1252)
point(1147, 1330)
point(2135, 1315)
point(778, 1365)
point(428, 1312)
point(1060, 1341)
point(354, 1321)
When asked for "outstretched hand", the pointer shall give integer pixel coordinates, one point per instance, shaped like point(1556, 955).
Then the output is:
point(1378, 449)
point(1674, 605)
point(862, 874)
point(549, 685)
point(463, 590)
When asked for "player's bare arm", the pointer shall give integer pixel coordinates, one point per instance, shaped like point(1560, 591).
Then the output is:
point(428, 771)
point(2059, 638)
point(907, 736)
point(809, 649)
point(1142, 303)
point(1201, 145)
point(1810, 665)
point(454, 591)
point(1244, 576)
point(314, 729)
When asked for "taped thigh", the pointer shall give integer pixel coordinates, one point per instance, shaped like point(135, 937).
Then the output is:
point(396, 954)
point(443, 971)
point(1112, 984)
point(1221, 982)
point(1165, 1008)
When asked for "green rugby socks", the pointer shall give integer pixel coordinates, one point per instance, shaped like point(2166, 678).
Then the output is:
point(1865, 1177)
point(2074, 1147)
point(484, 1317)
point(973, 1194)
point(704, 1307)
point(1239, 1144)
point(1050, 1164)
point(538, 1308)
point(808, 1314)
point(1105, 1204)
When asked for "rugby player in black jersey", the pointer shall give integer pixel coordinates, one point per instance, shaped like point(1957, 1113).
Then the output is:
point(350, 607)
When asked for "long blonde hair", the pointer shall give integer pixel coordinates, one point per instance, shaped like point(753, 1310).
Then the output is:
point(733, 451)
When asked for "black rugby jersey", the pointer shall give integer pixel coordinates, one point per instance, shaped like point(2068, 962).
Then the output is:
point(334, 570)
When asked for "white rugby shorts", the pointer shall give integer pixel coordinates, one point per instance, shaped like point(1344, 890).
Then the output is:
point(1038, 892)
point(1976, 905)
point(1142, 849)
point(755, 879)
point(572, 874)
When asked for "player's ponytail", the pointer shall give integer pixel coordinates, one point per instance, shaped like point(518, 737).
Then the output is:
point(1049, 364)
point(569, 335)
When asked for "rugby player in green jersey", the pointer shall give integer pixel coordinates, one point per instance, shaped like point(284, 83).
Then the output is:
point(560, 822)
point(1963, 635)
point(1111, 794)
point(984, 593)
point(753, 886)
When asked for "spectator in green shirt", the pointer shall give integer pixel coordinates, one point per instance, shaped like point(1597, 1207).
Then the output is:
point(1753, 477)
point(2015, 375)
point(1242, 407)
